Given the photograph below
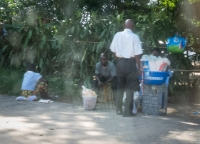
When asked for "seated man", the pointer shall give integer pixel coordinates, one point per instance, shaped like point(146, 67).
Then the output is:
point(105, 73)
point(33, 85)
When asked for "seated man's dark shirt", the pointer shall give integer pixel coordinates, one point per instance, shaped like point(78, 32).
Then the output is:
point(106, 72)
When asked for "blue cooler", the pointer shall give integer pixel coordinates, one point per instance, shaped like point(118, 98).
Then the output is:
point(154, 77)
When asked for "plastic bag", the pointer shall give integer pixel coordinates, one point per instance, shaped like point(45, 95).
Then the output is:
point(176, 44)
point(88, 92)
point(124, 100)
point(163, 67)
point(136, 102)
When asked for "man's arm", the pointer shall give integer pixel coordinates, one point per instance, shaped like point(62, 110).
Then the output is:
point(116, 58)
point(137, 58)
point(97, 72)
point(98, 79)
point(112, 73)
point(109, 80)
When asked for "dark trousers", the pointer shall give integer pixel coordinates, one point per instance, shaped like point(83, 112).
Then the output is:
point(113, 85)
point(127, 82)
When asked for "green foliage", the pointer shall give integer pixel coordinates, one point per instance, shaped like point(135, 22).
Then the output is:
point(180, 81)
point(11, 80)
point(67, 37)
point(62, 87)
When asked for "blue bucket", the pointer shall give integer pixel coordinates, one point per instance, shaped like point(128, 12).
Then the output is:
point(154, 77)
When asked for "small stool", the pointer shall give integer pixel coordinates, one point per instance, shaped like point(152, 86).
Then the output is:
point(105, 93)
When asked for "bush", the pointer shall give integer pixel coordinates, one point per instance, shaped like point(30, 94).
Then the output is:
point(11, 81)
point(63, 86)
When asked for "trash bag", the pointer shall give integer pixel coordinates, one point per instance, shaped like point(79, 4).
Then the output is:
point(176, 44)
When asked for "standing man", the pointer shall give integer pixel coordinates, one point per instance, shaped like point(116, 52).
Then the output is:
point(106, 73)
point(126, 47)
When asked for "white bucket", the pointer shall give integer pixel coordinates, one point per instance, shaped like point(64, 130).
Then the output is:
point(89, 102)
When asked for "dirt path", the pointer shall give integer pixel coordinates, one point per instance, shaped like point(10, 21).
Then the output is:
point(64, 123)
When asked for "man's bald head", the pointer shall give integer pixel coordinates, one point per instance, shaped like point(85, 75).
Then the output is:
point(129, 24)
point(103, 55)
point(103, 59)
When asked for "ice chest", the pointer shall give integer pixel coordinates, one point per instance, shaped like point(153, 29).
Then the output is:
point(154, 99)
point(89, 102)
point(154, 77)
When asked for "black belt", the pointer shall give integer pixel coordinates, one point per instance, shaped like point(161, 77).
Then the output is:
point(126, 58)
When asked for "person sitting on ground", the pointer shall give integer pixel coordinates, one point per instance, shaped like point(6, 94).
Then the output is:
point(105, 73)
point(33, 85)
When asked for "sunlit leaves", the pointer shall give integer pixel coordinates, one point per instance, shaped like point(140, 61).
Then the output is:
point(169, 3)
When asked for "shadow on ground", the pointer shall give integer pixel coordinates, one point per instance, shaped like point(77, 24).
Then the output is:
point(69, 123)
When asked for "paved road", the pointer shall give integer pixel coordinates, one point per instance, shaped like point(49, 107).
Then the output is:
point(63, 123)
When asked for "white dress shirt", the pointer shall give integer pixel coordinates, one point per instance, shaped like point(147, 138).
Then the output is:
point(126, 44)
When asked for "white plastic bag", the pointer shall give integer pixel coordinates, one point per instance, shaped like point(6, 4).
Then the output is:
point(155, 62)
point(160, 62)
point(136, 103)
point(124, 97)
point(88, 92)
point(124, 100)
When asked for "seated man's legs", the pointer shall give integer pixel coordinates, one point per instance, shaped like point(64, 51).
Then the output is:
point(95, 85)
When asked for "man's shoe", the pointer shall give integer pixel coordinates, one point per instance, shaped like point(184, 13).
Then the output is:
point(128, 115)
point(131, 115)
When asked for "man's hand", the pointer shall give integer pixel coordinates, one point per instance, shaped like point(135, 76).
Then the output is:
point(137, 59)
point(100, 83)
point(139, 72)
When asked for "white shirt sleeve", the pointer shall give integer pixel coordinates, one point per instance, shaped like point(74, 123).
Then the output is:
point(113, 44)
point(137, 46)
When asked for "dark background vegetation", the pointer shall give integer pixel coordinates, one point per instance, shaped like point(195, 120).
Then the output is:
point(65, 38)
